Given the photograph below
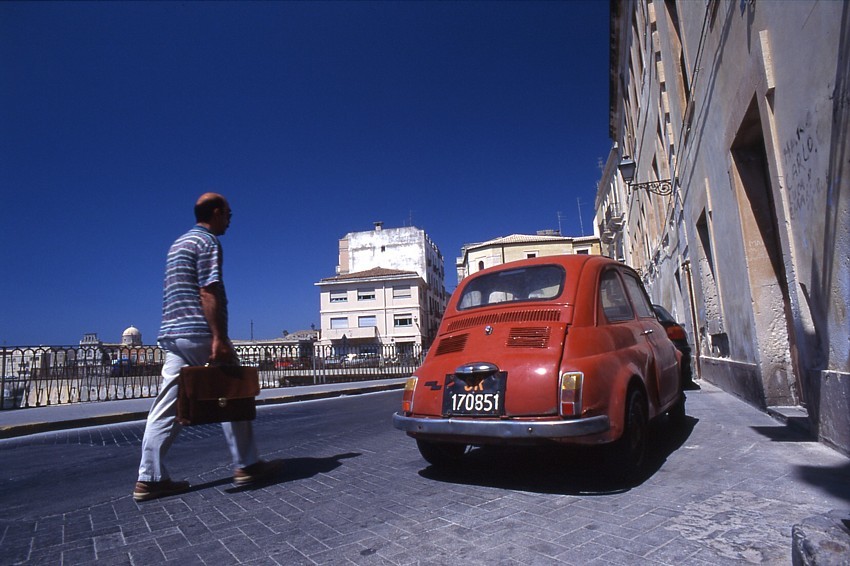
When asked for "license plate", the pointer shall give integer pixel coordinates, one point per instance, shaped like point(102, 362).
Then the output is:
point(472, 397)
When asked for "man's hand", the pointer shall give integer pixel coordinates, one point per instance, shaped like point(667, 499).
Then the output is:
point(223, 353)
point(214, 304)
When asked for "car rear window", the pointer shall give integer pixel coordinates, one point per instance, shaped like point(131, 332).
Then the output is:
point(534, 283)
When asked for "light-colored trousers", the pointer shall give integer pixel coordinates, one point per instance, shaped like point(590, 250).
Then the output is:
point(162, 427)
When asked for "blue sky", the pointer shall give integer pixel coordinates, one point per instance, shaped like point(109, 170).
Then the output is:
point(470, 120)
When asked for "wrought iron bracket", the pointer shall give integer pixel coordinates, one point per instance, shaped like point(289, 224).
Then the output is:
point(661, 187)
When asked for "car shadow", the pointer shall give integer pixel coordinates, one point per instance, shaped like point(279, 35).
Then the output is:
point(557, 469)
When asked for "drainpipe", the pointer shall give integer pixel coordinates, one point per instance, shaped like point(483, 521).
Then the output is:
point(686, 267)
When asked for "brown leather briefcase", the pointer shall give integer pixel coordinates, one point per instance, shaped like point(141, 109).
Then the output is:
point(216, 394)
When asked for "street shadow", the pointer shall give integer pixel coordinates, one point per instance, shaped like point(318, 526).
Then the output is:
point(794, 431)
point(832, 479)
point(556, 469)
point(293, 469)
point(299, 469)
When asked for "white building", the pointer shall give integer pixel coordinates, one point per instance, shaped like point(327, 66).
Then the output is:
point(374, 309)
point(475, 257)
point(389, 291)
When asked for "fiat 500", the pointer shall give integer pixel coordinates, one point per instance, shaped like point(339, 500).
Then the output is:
point(563, 349)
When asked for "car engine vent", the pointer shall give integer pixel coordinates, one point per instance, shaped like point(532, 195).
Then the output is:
point(532, 315)
point(529, 337)
point(452, 344)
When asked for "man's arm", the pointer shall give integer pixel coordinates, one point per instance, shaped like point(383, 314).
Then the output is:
point(214, 305)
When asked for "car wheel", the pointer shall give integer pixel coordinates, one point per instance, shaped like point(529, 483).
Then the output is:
point(629, 452)
point(441, 453)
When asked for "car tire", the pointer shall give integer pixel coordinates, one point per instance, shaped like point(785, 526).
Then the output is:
point(441, 454)
point(628, 454)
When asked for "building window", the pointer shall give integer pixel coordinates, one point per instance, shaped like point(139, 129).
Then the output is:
point(339, 296)
point(401, 293)
point(529, 255)
point(366, 295)
point(341, 322)
point(367, 321)
point(583, 252)
point(480, 265)
point(403, 320)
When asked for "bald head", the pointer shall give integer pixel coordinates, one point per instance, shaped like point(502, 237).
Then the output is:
point(206, 205)
point(212, 211)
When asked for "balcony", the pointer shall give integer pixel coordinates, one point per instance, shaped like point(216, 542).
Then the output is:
point(350, 333)
point(614, 218)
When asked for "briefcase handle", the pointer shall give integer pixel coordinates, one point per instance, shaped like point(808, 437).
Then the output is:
point(221, 365)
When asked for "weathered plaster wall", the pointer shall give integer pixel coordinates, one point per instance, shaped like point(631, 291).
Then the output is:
point(833, 422)
point(390, 248)
point(747, 105)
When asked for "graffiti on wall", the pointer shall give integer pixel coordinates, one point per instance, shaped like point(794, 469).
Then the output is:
point(803, 181)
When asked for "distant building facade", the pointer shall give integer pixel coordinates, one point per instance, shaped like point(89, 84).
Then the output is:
point(389, 291)
point(373, 309)
point(475, 257)
point(130, 350)
point(728, 190)
point(270, 353)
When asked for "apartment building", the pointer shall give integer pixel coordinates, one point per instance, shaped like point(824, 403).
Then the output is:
point(389, 291)
point(727, 188)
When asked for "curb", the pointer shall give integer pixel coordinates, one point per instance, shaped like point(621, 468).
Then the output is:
point(14, 431)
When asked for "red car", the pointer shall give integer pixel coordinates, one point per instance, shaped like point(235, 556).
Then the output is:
point(562, 349)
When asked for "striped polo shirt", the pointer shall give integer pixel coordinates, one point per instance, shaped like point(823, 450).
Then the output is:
point(194, 261)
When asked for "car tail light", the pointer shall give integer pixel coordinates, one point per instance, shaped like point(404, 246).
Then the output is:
point(571, 393)
point(407, 398)
point(676, 332)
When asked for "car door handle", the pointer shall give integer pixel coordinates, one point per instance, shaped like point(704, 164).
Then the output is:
point(645, 332)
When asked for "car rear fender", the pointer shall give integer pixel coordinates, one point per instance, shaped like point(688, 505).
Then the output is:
point(627, 379)
point(617, 412)
point(607, 378)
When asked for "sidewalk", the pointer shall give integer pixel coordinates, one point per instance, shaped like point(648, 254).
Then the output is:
point(21, 422)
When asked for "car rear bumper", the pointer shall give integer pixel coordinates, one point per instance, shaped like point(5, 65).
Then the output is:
point(503, 429)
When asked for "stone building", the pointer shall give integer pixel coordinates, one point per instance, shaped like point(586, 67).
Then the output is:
point(274, 352)
point(475, 257)
point(130, 350)
point(728, 189)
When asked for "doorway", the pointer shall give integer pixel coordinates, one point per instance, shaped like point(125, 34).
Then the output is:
point(765, 265)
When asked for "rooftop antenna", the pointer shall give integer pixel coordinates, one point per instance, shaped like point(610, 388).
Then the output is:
point(559, 224)
point(252, 330)
point(580, 222)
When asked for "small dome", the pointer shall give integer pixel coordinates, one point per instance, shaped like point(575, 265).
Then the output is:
point(132, 337)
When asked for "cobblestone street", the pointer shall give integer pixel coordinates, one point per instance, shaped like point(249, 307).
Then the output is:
point(727, 489)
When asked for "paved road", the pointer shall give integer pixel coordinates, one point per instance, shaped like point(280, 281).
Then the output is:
point(724, 490)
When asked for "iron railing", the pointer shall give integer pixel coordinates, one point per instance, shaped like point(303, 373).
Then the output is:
point(37, 376)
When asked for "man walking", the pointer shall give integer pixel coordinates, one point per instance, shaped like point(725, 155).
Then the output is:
point(194, 332)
